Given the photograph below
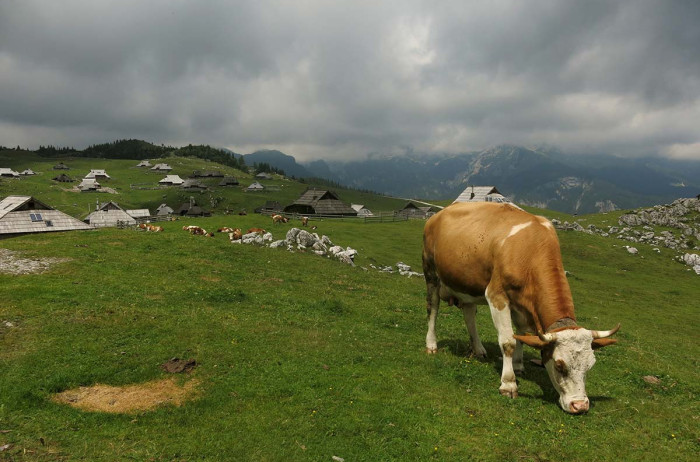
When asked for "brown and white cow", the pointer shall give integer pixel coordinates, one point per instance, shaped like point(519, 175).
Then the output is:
point(304, 221)
point(475, 253)
point(279, 219)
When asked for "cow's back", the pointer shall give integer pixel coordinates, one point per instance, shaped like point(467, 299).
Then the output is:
point(463, 243)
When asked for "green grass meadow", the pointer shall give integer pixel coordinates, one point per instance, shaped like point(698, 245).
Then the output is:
point(303, 358)
point(129, 182)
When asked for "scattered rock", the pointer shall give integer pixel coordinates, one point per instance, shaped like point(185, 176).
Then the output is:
point(12, 263)
point(651, 379)
point(632, 250)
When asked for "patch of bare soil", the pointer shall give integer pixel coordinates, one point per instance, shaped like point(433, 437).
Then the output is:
point(130, 398)
point(12, 263)
point(177, 365)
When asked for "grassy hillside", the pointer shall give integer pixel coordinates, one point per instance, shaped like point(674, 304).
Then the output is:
point(304, 358)
point(126, 178)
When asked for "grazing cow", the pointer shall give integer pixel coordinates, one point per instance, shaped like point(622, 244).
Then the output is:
point(304, 221)
point(242, 213)
point(154, 229)
point(235, 234)
point(142, 226)
point(256, 230)
point(279, 219)
point(225, 229)
point(476, 253)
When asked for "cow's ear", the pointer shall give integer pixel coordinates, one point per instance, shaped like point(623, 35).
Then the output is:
point(532, 340)
point(602, 342)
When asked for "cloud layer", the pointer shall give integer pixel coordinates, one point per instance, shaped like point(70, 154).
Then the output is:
point(341, 79)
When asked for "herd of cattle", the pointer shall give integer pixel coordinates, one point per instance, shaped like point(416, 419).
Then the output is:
point(233, 233)
point(509, 259)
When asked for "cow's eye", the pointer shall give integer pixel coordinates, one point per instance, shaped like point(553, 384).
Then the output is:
point(560, 366)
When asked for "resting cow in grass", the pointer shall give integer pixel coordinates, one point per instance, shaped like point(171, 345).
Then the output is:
point(475, 253)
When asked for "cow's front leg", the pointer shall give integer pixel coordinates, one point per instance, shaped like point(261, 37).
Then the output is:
point(520, 321)
point(433, 303)
point(500, 313)
point(469, 311)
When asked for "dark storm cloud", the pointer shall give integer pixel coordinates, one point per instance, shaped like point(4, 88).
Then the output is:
point(331, 79)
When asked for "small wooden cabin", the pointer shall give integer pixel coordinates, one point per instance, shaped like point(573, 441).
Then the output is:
point(320, 202)
point(25, 214)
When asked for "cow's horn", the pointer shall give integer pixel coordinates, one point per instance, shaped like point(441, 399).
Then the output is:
point(547, 338)
point(605, 333)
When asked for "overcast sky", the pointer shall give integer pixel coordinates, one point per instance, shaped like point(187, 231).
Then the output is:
point(340, 79)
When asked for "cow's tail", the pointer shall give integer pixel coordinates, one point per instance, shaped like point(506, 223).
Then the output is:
point(432, 281)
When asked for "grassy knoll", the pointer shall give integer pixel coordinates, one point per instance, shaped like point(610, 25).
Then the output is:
point(304, 358)
point(127, 181)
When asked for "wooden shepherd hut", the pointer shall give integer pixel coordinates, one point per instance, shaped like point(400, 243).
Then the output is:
point(161, 168)
point(191, 209)
point(109, 215)
point(171, 180)
point(164, 210)
point(63, 178)
point(320, 202)
point(191, 184)
point(481, 194)
point(229, 181)
point(97, 174)
point(413, 210)
point(24, 214)
point(8, 172)
point(89, 184)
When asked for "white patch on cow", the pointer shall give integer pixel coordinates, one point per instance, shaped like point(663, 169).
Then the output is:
point(573, 348)
point(515, 230)
point(546, 223)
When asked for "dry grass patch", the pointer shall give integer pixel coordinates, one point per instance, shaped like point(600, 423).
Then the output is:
point(129, 398)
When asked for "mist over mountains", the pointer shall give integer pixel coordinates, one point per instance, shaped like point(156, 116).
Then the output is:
point(541, 176)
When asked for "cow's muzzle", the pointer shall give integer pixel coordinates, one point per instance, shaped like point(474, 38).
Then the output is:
point(578, 406)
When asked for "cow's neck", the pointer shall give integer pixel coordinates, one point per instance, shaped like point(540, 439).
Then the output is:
point(553, 302)
point(563, 322)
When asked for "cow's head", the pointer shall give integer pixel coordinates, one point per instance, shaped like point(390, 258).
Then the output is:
point(567, 355)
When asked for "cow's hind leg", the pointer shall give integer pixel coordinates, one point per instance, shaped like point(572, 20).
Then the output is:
point(469, 311)
point(433, 304)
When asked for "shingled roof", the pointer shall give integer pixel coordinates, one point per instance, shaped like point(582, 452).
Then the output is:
point(109, 214)
point(24, 214)
point(320, 202)
point(481, 194)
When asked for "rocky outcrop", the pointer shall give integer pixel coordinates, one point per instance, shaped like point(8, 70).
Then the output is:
point(682, 217)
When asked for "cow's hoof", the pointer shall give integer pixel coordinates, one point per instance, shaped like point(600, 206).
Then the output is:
point(479, 353)
point(431, 351)
point(511, 391)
